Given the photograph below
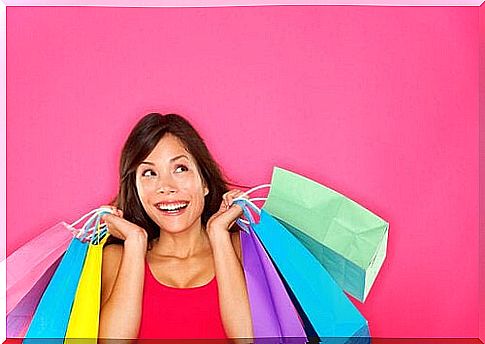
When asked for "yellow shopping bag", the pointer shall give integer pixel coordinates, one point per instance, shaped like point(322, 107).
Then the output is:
point(84, 318)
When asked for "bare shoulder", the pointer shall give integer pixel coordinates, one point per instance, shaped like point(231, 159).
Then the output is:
point(236, 243)
point(112, 255)
point(112, 251)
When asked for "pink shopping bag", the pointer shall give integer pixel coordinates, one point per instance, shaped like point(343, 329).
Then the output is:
point(29, 263)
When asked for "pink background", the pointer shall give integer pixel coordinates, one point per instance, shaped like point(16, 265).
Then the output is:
point(379, 103)
point(482, 174)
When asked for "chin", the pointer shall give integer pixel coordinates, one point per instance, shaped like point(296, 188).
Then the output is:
point(172, 230)
point(176, 228)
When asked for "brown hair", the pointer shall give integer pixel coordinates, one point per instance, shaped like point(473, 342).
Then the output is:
point(142, 140)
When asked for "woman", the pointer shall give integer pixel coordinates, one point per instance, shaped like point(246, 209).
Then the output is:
point(178, 272)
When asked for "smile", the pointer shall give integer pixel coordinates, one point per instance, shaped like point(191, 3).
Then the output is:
point(172, 208)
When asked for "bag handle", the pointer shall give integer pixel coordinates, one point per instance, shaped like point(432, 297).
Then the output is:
point(262, 186)
point(243, 224)
point(250, 201)
point(75, 223)
point(99, 230)
point(90, 232)
point(242, 201)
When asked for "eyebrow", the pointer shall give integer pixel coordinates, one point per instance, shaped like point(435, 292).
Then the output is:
point(171, 160)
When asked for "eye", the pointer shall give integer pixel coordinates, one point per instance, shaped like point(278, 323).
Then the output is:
point(181, 168)
point(147, 173)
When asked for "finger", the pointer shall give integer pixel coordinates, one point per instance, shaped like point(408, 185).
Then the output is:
point(228, 196)
point(235, 195)
point(230, 216)
point(235, 210)
point(112, 222)
point(224, 200)
point(118, 212)
point(222, 207)
point(112, 219)
point(108, 218)
point(224, 203)
point(112, 209)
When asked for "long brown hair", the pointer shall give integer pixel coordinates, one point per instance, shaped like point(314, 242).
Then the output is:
point(142, 140)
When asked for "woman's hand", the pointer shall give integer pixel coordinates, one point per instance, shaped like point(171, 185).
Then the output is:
point(122, 279)
point(231, 284)
point(121, 228)
point(227, 214)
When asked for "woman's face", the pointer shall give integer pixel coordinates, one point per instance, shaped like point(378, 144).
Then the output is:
point(170, 187)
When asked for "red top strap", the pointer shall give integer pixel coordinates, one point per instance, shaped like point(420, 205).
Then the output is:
point(169, 312)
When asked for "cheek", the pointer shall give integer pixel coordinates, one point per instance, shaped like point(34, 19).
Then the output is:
point(191, 186)
point(196, 192)
point(142, 193)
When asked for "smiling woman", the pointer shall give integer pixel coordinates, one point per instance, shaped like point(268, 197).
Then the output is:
point(169, 185)
point(173, 257)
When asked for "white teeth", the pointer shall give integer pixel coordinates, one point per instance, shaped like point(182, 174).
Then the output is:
point(175, 206)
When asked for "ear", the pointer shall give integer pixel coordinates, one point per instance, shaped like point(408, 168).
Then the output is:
point(206, 190)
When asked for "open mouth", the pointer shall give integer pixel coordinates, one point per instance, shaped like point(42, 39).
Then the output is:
point(172, 208)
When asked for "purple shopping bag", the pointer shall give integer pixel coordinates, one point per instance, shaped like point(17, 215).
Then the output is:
point(272, 311)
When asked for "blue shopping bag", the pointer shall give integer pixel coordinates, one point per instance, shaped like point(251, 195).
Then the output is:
point(51, 318)
point(52, 314)
point(329, 312)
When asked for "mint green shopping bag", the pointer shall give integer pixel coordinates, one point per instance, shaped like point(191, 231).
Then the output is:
point(347, 239)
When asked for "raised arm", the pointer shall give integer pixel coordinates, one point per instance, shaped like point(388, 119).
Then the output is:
point(233, 295)
point(122, 281)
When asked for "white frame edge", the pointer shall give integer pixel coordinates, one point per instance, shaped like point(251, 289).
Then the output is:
point(236, 3)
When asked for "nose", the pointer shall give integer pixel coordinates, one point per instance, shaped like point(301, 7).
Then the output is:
point(164, 190)
point(166, 185)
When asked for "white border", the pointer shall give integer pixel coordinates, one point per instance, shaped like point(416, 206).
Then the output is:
point(230, 3)
point(140, 3)
point(3, 159)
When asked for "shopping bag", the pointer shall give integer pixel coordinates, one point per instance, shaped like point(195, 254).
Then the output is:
point(346, 238)
point(52, 315)
point(273, 314)
point(84, 318)
point(29, 263)
point(18, 320)
point(331, 314)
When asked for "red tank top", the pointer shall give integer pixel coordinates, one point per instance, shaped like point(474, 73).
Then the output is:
point(169, 312)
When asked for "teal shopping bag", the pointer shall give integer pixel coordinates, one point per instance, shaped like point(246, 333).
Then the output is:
point(330, 313)
point(347, 239)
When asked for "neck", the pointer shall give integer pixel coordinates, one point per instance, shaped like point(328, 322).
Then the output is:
point(181, 245)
